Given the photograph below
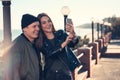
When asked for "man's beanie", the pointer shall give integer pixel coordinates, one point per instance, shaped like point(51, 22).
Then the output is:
point(27, 19)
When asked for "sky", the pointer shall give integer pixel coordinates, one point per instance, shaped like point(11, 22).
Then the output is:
point(81, 11)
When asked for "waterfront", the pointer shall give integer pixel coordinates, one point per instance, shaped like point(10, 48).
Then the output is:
point(79, 31)
point(14, 33)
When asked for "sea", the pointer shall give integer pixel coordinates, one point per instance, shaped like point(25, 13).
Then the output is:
point(79, 31)
point(14, 33)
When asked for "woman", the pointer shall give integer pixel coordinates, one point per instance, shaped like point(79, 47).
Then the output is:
point(54, 49)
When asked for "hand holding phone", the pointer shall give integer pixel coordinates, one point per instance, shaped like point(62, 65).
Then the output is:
point(69, 25)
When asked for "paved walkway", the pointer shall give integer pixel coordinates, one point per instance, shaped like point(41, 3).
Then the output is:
point(114, 46)
point(107, 69)
point(109, 66)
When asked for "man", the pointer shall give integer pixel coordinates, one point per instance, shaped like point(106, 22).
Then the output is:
point(24, 60)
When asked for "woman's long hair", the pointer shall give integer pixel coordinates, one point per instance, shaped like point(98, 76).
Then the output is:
point(39, 40)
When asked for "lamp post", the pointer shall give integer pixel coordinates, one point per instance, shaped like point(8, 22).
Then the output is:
point(98, 30)
point(65, 11)
point(101, 25)
point(92, 26)
point(101, 28)
point(6, 22)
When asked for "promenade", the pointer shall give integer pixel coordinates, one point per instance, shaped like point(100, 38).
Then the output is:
point(109, 65)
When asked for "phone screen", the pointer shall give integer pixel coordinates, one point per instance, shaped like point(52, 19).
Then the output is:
point(69, 20)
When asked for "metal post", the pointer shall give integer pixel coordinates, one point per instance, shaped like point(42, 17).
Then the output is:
point(98, 30)
point(101, 31)
point(6, 22)
point(65, 17)
point(92, 25)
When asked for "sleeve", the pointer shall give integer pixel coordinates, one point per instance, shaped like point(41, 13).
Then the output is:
point(60, 35)
point(51, 52)
point(63, 35)
point(48, 51)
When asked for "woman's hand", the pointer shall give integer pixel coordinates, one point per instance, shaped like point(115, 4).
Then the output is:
point(71, 35)
point(70, 29)
point(68, 39)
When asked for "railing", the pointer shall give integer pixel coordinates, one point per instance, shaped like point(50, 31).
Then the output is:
point(83, 71)
point(89, 56)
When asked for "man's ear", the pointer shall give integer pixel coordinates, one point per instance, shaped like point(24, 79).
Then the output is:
point(24, 29)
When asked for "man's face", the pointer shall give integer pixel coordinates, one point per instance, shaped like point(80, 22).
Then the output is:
point(31, 31)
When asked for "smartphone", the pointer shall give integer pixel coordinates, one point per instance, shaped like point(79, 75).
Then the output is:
point(69, 20)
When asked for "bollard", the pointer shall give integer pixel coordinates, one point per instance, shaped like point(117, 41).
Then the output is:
point(86, 59)
point(95, 52)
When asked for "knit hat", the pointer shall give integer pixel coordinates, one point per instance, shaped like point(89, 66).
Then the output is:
point(27, 19)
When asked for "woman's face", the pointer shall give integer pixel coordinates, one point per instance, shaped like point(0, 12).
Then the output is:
point(46, 24)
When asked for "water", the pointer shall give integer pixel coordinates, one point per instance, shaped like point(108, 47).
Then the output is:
point(79, 31)
point(82, 31)
point(15, 33)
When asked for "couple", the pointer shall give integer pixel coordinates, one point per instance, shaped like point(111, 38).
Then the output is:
point(39, 36)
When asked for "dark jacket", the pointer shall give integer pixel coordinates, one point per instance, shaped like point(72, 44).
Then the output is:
point(56, 59)
point(24, 61)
